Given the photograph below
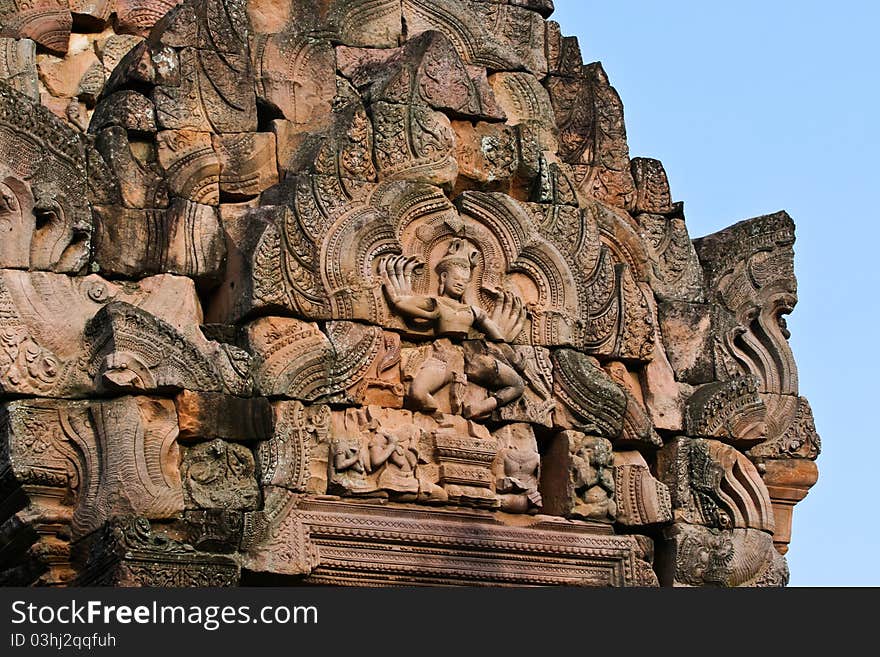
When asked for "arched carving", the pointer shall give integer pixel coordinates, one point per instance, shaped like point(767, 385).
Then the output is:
point(295, 358)
point(130, 349)
point(140, 15)
point(370, 23)
point(522, 98)
point(714, 485)
point(48, 22)
point(462, 26)
point(728, 410)
point(355, 241)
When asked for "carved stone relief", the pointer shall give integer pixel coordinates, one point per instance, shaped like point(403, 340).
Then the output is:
point(220, 475)
point(44, 199)
point(517, 469)
point(71, 337)
point(714, 485)
point(371, 291)
point(578, 477)
point(722, 558)
point(640, 498)
point(81, 463)
point(131, 552)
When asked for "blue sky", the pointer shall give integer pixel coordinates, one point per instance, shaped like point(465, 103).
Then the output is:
point(755, 107)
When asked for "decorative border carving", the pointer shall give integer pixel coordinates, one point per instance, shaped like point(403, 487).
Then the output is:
point(358, 544)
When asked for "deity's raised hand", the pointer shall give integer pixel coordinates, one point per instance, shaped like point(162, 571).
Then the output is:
point(396, 273)
point(509, 314)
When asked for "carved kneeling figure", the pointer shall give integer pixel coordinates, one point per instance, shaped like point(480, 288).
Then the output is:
point(592, 477)
point(399, 475)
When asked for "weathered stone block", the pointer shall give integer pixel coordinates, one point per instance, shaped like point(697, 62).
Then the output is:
point(248, 163)
point(186, 238)
point(591, 401)
point(296, 76)
point(686, 329)
point(272, 16)
point(214, 530)
point(81, 463)
point(344, 363)
point(62, 76)
point(413, 142)
point(496, 36)
point(652, 187)
point(45, 211)
point(592, 135)
point(486, 153)
point(132, 350)
point(116, 46)
point(131, 552)
point(140, 179)
point(638, 429)
point(296, 457)
point(676, 272)
point(93, 13)
point(192, 166)
point(301, 538)
point(563, 53)
point(731, 411)
point(47, 351)
point(376, 24)
point(517, 469)
point(749, 270)
point(427, 70)
point(253, 264)
point(127, 109)
point(206, 416)
point(522, 99)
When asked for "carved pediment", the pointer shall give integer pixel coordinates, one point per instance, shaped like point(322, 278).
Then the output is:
point(370, 292)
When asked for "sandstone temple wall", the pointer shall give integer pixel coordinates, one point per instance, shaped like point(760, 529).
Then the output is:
point(370, 292)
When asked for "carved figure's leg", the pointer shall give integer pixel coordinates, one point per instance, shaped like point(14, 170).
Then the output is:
point(506, 385)
point(432, 376)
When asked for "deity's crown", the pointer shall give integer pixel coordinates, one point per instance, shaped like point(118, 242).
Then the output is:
point(459, 252)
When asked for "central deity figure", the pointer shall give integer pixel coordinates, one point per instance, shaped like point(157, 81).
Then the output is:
point(497, 367)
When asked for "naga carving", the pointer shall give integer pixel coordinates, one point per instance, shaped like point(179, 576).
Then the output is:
point(44, 200)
